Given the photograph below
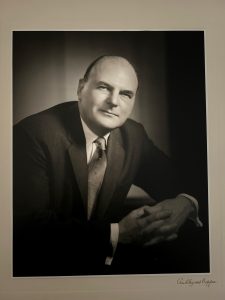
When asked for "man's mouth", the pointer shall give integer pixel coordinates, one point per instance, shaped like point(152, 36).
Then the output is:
point(109, 113)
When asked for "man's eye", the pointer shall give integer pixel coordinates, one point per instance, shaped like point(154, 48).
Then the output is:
point(103, 87)
point(126, 95)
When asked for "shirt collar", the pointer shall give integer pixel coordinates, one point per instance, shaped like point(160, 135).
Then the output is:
point(90, 136)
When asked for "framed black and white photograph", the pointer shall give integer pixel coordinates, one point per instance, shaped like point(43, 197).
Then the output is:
point(159, 171)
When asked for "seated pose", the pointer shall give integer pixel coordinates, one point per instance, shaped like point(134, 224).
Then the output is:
point(73, 167)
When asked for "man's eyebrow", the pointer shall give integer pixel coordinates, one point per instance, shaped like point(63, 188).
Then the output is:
point(104, 83)
point(129, 92)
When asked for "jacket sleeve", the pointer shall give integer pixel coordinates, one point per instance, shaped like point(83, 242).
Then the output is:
point(157, 174)
point(44, 242)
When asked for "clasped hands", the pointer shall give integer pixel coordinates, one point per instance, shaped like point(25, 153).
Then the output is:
point(149, 225)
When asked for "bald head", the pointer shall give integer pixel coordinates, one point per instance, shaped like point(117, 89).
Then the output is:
point(108, 59)
point(107, 93)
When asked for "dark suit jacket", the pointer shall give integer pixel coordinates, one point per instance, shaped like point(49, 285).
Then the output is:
point(51, 233)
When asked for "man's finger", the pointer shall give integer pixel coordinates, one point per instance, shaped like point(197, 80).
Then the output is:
point(172, 237)
point(168, 228)
point(161, 215)
point(151, 209)
point(154, 241)
point(159, 239)
point(148, 230)
point(136, 213)
point(159, 229)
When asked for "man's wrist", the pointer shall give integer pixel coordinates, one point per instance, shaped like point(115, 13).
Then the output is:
point(194, 214)
point(114, 237)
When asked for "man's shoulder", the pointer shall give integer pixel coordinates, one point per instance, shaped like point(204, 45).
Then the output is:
point(51, 112)
point(133, 127)
point(51, 120)
point(49, 115)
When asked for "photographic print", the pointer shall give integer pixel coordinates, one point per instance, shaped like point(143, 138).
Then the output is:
point(109, 153)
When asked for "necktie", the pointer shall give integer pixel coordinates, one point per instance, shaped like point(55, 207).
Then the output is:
point(96, 171)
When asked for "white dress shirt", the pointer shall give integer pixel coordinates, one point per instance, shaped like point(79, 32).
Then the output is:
point(90, 149)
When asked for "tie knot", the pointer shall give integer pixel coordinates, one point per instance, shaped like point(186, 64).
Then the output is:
point(101, 143)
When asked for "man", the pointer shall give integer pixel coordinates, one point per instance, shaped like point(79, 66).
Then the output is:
point(73, 167)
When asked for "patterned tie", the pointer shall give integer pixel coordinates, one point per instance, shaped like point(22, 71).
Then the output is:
point(96, 171)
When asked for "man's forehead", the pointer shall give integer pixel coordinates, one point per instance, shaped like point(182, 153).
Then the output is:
point(116, 68)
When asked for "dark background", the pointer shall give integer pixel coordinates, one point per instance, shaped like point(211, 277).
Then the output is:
point(170, 103)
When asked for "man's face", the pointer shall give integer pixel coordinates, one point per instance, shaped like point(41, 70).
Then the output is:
point(107, 97)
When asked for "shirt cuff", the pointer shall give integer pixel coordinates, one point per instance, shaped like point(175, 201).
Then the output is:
point(194, 217)
point(114, 237)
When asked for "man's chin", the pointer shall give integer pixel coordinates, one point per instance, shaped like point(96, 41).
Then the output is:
point(108, 123)
point(107, 127)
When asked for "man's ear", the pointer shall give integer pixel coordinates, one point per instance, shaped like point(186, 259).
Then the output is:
point(80, 88)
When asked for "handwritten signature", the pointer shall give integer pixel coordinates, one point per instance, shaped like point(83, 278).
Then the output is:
point(191, 282)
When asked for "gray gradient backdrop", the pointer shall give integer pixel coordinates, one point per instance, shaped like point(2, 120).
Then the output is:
point(48, 65)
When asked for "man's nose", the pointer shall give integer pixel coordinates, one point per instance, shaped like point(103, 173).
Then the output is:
point(113, 98)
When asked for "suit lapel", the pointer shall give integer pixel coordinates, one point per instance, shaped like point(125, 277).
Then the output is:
point(115, 161)
point(78, 160)
point(77, 151)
